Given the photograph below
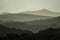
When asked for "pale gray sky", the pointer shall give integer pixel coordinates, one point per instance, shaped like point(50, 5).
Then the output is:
point(26, 5)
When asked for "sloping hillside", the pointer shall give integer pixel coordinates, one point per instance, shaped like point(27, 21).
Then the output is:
point(22, 17)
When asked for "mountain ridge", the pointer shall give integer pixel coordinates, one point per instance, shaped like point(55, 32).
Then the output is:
point(22, 17)
point(44, 12)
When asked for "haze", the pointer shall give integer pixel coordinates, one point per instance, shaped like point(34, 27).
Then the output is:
point(28, 5)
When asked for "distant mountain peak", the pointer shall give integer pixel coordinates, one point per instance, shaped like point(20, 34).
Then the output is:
point(5, 12)
point(45, 10)
point(42, 10)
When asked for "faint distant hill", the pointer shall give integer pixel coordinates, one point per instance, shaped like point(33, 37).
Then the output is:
point(22, 17)
point(29, 15)
point(43, 12)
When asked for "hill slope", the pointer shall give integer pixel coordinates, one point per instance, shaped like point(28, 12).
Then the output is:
point(5, 30)
point(22, 17)
point(43, 12)
point(36, 25)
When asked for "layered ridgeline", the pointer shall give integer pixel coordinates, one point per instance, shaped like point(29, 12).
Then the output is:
point(43, 12)
point(4, 30)
point(36, 25)
point(28, 15)
point(22, 17)
point(31, 20)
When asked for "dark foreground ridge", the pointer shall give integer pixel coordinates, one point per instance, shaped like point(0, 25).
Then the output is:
point(51, 33)
point(15, 34)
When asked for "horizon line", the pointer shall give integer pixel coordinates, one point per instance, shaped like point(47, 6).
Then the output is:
point(29, 11)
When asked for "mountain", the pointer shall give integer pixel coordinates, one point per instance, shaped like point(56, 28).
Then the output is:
point(43, 12)
point(28, 15)
point(45, 21)
point(48, 34)
point(20, 25)
point(4, 30)
point(29, 21)
point(44, 24)
point(49, 30)
point(22, 17)
point(35, 25)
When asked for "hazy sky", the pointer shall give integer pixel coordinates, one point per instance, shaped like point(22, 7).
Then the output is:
point(24, 5)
